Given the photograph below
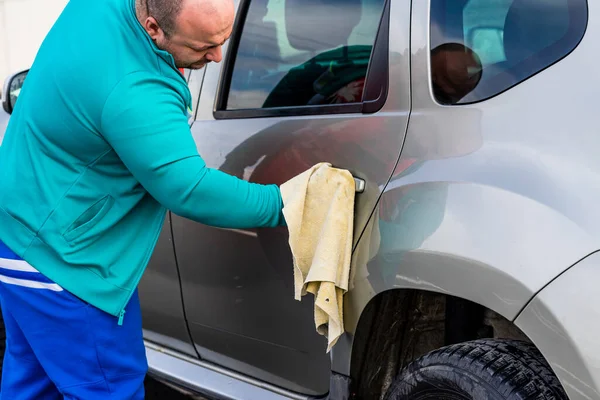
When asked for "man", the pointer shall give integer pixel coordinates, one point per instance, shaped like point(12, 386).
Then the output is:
point(97, 149)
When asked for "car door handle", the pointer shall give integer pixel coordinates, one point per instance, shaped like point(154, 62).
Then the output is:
point(360, 185)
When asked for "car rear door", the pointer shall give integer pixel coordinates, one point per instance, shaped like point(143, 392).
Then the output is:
point(304, 81)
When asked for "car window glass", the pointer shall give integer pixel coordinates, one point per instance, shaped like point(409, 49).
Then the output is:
point(303, 53)
point(480, 48)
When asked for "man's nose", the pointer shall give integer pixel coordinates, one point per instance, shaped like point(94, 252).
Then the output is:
point(215, 55)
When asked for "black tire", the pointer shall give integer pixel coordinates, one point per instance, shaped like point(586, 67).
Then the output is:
point(481, 369)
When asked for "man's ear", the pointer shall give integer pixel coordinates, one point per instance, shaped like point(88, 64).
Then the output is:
point(153, 29)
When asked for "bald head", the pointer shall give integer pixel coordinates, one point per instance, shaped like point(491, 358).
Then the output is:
point(166, 12)
point(193, 31)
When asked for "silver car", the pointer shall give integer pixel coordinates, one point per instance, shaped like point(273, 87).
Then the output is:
point(470, 128)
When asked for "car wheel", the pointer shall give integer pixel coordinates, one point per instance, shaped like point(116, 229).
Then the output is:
point(481, 369)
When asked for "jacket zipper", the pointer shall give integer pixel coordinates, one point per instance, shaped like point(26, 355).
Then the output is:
point(122, 312)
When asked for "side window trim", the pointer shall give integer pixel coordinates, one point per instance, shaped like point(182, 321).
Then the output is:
point(374, 96)
point(229, 63)
point(378, 74)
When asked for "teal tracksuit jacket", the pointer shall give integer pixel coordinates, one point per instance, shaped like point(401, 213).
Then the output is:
point(97, 149)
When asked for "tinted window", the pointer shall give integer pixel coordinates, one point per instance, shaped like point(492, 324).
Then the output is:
point(483, 47)
point(303, 53)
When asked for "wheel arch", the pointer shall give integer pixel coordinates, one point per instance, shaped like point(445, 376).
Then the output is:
point(400, 325)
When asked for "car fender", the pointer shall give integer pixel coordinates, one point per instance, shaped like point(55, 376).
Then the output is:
point(563, 321)
point(480, 242)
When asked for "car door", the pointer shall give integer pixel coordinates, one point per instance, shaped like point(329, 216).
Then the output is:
point(304, 81)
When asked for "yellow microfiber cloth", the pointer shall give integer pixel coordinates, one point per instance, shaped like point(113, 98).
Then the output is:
point(319, 211)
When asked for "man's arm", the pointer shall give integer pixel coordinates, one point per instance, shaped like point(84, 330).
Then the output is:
point(144, 123)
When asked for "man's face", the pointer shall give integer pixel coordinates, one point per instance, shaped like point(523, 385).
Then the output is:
point(202, 27)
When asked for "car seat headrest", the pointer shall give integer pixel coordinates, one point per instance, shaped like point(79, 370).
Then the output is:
point(317, 25)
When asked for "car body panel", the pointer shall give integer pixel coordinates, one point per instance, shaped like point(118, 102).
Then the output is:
point(562, 322)
point(160, 297)
point(253, 323)
point(198, 377)
point(486, 207)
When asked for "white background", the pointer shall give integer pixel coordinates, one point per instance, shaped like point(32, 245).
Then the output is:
point(23, 26)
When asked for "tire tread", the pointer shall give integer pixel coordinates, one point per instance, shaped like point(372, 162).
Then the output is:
point(515, 369)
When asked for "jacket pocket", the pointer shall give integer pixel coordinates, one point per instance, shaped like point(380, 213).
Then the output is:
point(89, 218)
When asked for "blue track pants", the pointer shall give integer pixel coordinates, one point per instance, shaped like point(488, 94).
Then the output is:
point(59, 347)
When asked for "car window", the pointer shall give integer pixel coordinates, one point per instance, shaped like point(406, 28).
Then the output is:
point(295, 53)
point(480, 48)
